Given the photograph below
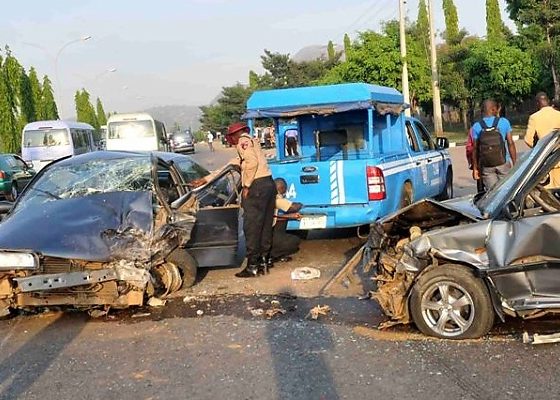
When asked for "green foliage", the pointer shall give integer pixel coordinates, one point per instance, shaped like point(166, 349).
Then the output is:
point(423, 24)
point(36, 88)
point(498, 70)
point(84, 109)
point(452, 35)
point(494, 23)
point(101, 115)
point(375, 58)
point(331, 52)
point(47, 107)
point(228, 109)
point(347, 44)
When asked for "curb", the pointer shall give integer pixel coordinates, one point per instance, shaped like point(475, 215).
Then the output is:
point(457, 144)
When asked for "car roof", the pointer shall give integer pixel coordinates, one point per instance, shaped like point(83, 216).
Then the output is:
point(56, 124)
point(117, 155)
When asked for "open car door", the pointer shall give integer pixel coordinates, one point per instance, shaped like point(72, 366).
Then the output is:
point(217, 239)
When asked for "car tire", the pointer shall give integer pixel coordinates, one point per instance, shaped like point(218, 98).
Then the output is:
point(186, 264)
point(449, 302)
point(448, 189)
point(407, 196)
point(12, 196)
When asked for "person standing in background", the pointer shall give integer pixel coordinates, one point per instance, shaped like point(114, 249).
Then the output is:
point(291, 142)
point(545, 121)
point(210, 139)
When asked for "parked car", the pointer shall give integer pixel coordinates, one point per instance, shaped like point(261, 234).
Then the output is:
point(359, 157)
point(454, 267)
point(14, 175)
point(110, 228)
point(182, 142)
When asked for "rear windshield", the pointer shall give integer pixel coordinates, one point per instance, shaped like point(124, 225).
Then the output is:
point(131, 129)
point(46, 138)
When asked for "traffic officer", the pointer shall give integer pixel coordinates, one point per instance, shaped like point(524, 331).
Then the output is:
point(258, 200)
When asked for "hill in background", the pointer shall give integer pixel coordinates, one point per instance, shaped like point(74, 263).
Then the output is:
point(185, 116)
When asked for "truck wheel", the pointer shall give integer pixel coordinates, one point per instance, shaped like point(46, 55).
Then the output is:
point(186, 264)
point(448, 189)
point(449, 302)
point(407, 196)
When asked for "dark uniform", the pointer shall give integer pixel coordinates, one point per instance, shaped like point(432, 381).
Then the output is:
point(259, 205)
point(284, 244)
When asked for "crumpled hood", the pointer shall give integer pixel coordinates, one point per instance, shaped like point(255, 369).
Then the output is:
point(100, 227)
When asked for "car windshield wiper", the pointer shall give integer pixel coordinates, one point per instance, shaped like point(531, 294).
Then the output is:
point(54, 196)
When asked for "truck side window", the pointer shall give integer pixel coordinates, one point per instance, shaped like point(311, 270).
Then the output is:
point(427, 142)
point(411, 137)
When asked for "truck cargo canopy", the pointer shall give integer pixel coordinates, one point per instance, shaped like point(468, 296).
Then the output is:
point(324, 100)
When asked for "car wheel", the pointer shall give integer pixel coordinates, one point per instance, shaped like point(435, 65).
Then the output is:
point(407, 195)
point(186, 264)
point(13, 193)
point(448, 189)
point(449, 302)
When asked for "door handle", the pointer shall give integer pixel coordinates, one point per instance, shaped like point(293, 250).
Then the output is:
point(418, 163)
point(429, 160)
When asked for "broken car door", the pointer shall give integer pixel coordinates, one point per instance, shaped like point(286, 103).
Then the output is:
point(215, 239)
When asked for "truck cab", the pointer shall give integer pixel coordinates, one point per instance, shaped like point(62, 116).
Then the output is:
point(359, 158)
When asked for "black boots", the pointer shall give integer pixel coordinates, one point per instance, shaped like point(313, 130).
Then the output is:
point(255, 267)
point(250, 271)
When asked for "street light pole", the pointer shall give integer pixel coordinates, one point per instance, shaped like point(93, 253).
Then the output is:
point(405, 89)
point(438, 124)
point(57, 76)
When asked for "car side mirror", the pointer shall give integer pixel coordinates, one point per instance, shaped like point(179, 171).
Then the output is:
point(5, 207)
point(29, 165)
point(442, 142)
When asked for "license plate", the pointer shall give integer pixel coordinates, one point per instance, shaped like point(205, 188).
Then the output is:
point(313, 222)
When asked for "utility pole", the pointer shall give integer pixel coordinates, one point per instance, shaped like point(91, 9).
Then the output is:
point(438, 125)
point(405, 89)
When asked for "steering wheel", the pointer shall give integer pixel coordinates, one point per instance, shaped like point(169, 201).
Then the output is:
point(545, 199)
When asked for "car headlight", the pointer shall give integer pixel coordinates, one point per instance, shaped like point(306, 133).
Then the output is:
point(16, 260)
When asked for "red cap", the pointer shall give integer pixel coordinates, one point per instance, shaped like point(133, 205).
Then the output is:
point(236, 127)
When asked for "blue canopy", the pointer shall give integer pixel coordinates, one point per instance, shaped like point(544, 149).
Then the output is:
point(323, 100)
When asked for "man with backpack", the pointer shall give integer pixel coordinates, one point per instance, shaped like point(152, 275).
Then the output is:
point(491, 161)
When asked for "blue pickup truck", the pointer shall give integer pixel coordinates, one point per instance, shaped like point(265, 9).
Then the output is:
point(359, 158)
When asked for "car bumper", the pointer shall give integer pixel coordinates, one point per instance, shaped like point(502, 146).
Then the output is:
point(344, 216)
point(5, 187)
point(183, 148)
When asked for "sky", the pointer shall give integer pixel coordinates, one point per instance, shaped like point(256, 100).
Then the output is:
point(181, 52)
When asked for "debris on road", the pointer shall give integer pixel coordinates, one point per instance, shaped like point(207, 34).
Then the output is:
point(155, 302)
point(541, 339)
point(141, 315)
point(316, 311)
point(188, 299)
point(97, 313)
point(305, 273)
point(200, 313)
point(256, 312)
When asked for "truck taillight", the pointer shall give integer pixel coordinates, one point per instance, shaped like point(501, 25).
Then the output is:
point(375, 183)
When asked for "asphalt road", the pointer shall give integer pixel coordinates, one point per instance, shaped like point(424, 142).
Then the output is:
point(214, 347)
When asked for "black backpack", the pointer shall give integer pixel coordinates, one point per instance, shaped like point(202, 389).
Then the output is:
point(491, 146)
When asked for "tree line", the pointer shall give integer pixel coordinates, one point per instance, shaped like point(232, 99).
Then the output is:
point(507, 66)
point(25, 98)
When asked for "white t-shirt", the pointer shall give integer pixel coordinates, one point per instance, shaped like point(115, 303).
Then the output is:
point(210, 137)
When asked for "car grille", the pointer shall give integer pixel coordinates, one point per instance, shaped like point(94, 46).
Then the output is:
point(53, 265)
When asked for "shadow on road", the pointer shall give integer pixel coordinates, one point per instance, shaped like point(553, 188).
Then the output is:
point(298, 351)
point(22, 368)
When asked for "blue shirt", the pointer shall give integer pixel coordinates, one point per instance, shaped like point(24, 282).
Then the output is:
point(503, 126)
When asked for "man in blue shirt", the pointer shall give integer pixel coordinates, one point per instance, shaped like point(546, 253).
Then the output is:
point(492, 174)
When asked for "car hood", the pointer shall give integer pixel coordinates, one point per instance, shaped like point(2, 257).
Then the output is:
point(100, 227)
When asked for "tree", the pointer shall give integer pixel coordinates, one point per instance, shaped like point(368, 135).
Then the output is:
point(494, 23)
point(36, 88)
point(347, 43)
point(84, 109)
point(48, 109)
point(331, 52)
point(375, 58)
point(27, 103)
point(539, 24)
point(228, 109)
point(8, 120)
point(451, 22)
point(498, 70)
point(101, 116)
point(423, 24)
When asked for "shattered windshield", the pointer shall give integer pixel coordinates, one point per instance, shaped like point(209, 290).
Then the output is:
point(67, 181)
